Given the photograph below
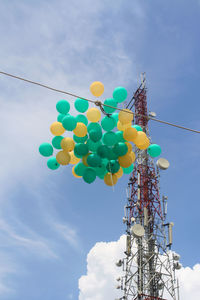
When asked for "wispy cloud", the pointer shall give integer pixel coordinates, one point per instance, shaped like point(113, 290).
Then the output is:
point(69, 59)
point(7, 268)
point(31, 241)
point(69, 234)
point(66, 44)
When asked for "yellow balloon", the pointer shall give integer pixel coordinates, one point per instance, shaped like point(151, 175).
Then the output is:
point(129, 147)
point(97, 88)
point(56, 128)
point(67, 144)
point(145, 145)
point(84, 159)
point(125, 116)
point(110, 179)
point(130, 134)
point(75, 173)
point(140, 139)
point(122, 127)
point(63, 158)
point(80, 130)
point(125, 161)
point(119, 173)
point(132, 155)
point(93, 114)
point(73, 159)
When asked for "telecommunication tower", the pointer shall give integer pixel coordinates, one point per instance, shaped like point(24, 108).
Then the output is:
point(149, 264)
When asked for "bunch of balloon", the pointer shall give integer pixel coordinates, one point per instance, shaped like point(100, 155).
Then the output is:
point(102, 145)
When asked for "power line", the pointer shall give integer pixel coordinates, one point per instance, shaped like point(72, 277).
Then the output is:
point(45, 86)
point(97, 103)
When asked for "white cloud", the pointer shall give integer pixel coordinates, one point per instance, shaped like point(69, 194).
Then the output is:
point(99, 283)
point(189, 279)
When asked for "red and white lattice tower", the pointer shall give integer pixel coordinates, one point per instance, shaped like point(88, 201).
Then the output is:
point(149, 265)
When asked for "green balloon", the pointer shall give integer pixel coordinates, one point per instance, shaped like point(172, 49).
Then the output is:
point(89, 175)
point(46, 149)
point(108, 123)
point(82, 119)
point(128, 170)
point(111, 102)
point(101, 171)
point(104, 161)
point(120, 149)
point(111, 154)
point(115, 116)
point(120, 94)
point(56, 142)
point(94, 160)
point(78, 139)
point(80, 150)
point(81, 105)
point(93, 146)
point(154, 150)
point(79, 169)
point(52, 163)
point(60, 117)
point(69, 123)
point(102, 151)
point(137, 127)
point(113, 166)
point(94, 126)
point(120, 138)
point(95, 135)
point(102, 176)
point(63, 107)
point(109, 138)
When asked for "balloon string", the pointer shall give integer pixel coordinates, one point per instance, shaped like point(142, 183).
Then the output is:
point(113, 188)
point(111, 178)
point(95, 102)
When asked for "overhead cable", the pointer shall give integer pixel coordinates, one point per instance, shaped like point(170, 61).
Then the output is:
point(97, 103)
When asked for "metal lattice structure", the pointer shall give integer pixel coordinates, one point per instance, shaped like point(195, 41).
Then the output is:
point(149, 264)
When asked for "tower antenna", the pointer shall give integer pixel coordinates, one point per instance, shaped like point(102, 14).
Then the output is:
point(149, 264)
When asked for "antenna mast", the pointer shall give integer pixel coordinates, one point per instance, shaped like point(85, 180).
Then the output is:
point(149, 264)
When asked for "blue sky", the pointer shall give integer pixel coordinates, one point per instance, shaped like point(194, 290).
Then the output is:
point(49, 221)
